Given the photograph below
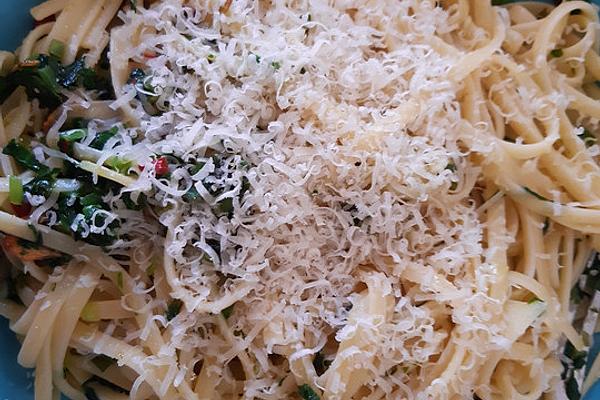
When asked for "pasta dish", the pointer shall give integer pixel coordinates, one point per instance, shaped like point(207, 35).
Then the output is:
point(303, 199)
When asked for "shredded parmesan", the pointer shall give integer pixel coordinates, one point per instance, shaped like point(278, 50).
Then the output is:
point(348, 150)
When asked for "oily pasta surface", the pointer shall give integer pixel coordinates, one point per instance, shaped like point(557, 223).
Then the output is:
point(253, 199)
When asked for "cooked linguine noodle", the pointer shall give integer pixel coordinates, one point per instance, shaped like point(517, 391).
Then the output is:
point(207, 199)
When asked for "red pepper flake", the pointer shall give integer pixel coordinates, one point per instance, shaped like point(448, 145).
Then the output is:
point(15, 247)
point(63, 145)
point(22, 210)
point(161, 166)
point(49, 121)
point(150, 54)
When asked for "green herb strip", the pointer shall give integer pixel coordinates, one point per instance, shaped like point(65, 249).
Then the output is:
point(24, 157)
point(226, 312)
point(307, 393)
point(15, 190)
point(173, 309)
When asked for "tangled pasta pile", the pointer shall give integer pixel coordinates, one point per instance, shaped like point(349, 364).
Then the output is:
point(337, 200)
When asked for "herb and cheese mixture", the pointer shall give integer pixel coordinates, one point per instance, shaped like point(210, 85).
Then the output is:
point(300, 199)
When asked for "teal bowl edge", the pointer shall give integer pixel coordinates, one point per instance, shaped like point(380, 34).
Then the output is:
point(16, 382)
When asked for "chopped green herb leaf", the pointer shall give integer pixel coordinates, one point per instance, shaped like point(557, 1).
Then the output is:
point(92, 199)
point(276, 65)
point(211, 58)
point(245, 187)
point(43, 77)
point(572, 388)
point(90, 80)
point(56, 48)
point(133, 4)
point(226, 312)
point(145, 92)
point(226, 206)
point(578, 357)
point(85, 201)
point(15, 190)
point(173, 309)
point(39, 77)
point(24, 157)
point(102, 137)
point(66, 139)
point(76, 123)
point(132, 205)
point(191, 195)
point(150, 88)
point(307, 393)
point(194, 169)
point(40, 186)
point(556, 53)
point(119, 164)
point(73, 135)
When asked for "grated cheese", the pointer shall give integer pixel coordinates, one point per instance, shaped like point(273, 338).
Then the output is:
point(343, 122)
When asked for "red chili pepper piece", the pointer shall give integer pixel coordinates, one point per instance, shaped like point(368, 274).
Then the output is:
point(161, 166)
point(50, 120)
point(64, 146)
point(22, 210)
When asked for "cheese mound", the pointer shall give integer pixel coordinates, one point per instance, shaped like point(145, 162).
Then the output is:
point(335, 201)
